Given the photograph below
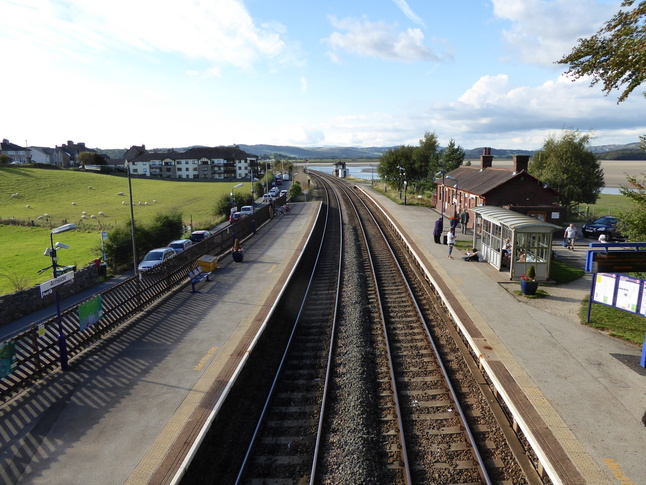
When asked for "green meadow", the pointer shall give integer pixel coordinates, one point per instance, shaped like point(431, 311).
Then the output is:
point(49, 198)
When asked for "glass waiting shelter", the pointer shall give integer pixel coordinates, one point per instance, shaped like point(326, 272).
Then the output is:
point(530, 241)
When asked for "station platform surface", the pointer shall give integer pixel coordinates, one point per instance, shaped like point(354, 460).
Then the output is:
point(118, 414)
point(114, 417)
point(584, 392)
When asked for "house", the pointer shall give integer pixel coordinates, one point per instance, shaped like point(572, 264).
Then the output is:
point(43, 155)
point(16, 153)
point(69, 152)
point(514, 189)
point(215, 163)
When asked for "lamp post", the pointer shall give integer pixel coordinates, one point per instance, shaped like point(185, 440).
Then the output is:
point(62, 345)
point(405, 187)
point(253, 200)
point(132, 222)
point(456, 192)
point(233, 200)
point(401, 171)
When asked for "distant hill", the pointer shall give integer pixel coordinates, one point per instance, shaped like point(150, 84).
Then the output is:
point(629, 151)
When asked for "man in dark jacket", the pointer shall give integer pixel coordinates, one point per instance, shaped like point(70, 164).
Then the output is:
point(464, 220)
point(437, 230)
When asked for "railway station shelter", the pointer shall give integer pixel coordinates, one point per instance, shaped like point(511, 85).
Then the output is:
point(530, 239)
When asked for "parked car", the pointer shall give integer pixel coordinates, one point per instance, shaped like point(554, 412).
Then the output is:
point(246, 210)
point(180, 245)
point(155, 257)
point(604, 225)
point(236, 216)
point(197, 236)
point(267, 198)
point(283, 192)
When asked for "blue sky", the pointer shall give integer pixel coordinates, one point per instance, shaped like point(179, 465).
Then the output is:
point(173, 73)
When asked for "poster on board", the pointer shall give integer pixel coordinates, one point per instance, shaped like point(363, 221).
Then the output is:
point(642, 309)
point(604, 288)
point(628, 293)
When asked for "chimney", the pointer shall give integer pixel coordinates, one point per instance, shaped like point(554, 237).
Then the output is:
point(486, 160)
point(521, 162)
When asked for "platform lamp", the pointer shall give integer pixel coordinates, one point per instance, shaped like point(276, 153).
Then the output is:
point(253, 199)
point(233, 200)
point(51, 251)
point(455, 208)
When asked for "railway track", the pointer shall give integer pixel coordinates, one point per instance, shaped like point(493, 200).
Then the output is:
point(373, 385)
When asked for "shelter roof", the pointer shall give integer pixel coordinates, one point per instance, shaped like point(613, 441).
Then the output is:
point(514, 220)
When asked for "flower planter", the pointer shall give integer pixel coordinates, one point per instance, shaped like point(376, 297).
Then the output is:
point(238, 256)
point(528, 287)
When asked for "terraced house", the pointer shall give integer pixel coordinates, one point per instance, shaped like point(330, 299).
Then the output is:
point(218, 163)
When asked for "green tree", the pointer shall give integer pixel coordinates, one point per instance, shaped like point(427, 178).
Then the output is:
point(4, 159)
point(90, 158)
point(567, 165)
point(451, 157)
point(616, 55)
point(427, 158)
point(633, 221)
point(295, 190)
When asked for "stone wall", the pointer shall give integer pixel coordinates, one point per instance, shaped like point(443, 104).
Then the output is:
point(17, 305)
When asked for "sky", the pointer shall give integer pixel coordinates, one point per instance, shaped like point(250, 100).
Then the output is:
point(364, 73)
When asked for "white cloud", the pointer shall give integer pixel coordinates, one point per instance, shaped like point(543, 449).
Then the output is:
point(405, 8)
point(220, 32)
point(378, 40)
point(543, 31)
point(304, 84)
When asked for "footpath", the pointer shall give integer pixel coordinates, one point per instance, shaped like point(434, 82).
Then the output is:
point(583, 392)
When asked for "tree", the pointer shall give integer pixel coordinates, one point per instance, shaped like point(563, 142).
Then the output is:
point(616, 55)
point(567, 165)
point(5, 159)
point(426, 157)
point(90, 158)
point(295, 190)
point(451, 157)
point(633, 221)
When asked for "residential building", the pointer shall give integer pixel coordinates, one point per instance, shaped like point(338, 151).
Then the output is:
point(15, 152)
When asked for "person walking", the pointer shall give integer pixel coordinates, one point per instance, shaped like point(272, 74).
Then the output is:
point(464, 220)
point(438, 229)
point(570, 236)
point(451, 241)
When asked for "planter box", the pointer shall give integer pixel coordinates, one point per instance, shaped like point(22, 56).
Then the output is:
point(238, 256)
point(528, 287)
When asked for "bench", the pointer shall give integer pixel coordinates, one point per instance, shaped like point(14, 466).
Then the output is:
point(196, 275)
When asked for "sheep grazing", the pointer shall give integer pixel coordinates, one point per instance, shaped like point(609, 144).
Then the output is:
point(27, 206)
point(15, 195)
point(120, 193)
point(123, 202)
point(83, 217)
point(73, 203)
point(154, 201)
point(84, 213)
point(46, 215)
point(90, 187)
point(101, 214)
point(145, 203)
point(39, 218)
point(93, 217)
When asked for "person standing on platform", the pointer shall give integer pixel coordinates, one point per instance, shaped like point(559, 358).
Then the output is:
point(451, 241)
point(464, 220)
point(438, 229)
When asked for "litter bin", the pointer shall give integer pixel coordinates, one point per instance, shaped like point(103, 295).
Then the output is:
point(103, 270)
point(444, 239)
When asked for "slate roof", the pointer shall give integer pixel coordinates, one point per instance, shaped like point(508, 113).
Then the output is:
point(480, 182)
point(196, 153)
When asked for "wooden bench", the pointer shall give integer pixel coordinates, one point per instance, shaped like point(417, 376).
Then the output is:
point(196, 275)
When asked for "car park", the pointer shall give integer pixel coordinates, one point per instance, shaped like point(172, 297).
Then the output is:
point(180, 245)
point(197, 236)
point(606, 225)
point(155, 257)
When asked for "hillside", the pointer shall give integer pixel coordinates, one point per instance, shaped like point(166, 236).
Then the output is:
point(629, 151)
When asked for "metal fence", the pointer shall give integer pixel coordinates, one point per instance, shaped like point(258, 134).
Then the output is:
point(36, 349)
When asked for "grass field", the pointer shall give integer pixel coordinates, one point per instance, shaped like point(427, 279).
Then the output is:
point(52, 192)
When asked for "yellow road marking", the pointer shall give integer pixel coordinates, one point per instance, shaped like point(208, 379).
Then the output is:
point(206, 358)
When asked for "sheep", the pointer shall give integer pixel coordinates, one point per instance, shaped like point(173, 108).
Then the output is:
point(39, 218)
point(84, 213)
point(46, 215)
point(145, 203)
point(123, 202)
point(154, 201)
point(15, 195)
point(73, 203)
point(120, 193)
point(101, 214)
point(90, 187)
point(83, 217)
point(139, 203)
point(27, 206)
point(93, 216)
